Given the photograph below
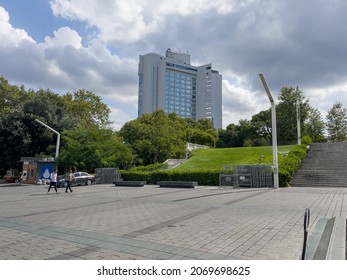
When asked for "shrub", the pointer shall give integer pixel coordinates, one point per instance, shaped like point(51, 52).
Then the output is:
point(134, 175)
point(203, 177)
point(306, 140)
point(290, 164)
point(300, 151)
point(151, 167)
point(283, 177)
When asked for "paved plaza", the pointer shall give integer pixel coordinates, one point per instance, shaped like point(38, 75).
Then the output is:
point(104, 222)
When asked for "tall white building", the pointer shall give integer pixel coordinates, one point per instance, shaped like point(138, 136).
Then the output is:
point(171, 83)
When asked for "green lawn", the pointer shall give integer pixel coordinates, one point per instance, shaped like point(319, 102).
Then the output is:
point(219, 158)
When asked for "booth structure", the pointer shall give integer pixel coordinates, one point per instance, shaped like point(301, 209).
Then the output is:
point(35, 169)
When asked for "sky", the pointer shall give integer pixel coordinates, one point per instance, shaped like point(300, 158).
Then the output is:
point(67, 45)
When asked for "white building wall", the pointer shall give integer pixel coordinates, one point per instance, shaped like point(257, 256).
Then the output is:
point(201, 93)
point(147, 68)
point(217, 101)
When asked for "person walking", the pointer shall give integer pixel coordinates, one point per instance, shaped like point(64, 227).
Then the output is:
point(53, 181)
point(68, 180)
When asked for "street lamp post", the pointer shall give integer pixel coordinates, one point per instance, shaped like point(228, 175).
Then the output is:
point(274, 130)
point(58, 137)
point(214, 133)
point(298, 121)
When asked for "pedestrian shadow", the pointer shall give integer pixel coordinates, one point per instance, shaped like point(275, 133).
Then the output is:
point(43, 194)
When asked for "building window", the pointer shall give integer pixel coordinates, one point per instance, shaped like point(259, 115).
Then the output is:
point(140, 101)
point(181, 94)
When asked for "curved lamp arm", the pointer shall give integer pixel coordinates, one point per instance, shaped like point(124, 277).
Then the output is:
point(58, 137)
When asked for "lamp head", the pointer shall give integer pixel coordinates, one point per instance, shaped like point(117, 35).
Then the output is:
point(262, 78)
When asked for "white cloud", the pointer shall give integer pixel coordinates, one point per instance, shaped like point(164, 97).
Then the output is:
point(283, 39)
point(120, 20)
point(64, 37)
point(9, 36)
point(241, 103)
point(62, 64)
point(189, 7)
point(131, 20)
point(119, 117)
point(325, 98)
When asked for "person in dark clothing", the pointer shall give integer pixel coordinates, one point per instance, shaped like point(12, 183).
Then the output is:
point(68, 180)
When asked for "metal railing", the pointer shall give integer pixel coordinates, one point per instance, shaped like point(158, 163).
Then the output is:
point(306, 225)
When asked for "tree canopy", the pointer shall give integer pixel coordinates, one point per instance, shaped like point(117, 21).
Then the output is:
point(337, 123)
point(21, 136)
point(159, 136)
point(88, 148)
point(314, 126)
point(286, 110)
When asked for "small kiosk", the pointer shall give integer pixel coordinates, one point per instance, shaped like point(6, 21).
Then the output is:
point(35, 169)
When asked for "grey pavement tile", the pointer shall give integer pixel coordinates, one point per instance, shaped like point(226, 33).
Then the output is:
point(103, 222)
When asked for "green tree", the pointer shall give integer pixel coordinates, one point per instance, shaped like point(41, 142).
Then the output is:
point(204, 124)
point(201, 132)
point(15, 139)
point(87, 109)
point(261, 124)
point(238, 135)
point(337, 123)
point(11, 97)
point(230, 137)
point(93, 147)
point(159, 136)
point(21, 136)
point(201, 137)
point(258, 130)
point(286, 114)
point(247, 133)
point(314, 126)
point(155, 137)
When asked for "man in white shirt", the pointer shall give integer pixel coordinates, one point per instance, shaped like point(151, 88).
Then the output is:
point(53, 181)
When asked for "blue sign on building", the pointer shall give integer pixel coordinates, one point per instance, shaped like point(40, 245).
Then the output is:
point(46, 171)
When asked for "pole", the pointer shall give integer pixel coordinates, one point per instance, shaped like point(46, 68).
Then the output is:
point(58, 137)
point(214, 133)
point(298, 120)
point(274, 130)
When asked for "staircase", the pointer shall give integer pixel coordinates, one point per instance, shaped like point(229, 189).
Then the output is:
point(325, 166)
point(172, 163)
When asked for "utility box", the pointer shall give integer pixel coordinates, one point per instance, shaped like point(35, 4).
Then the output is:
point(227, 180)
point(227, 177)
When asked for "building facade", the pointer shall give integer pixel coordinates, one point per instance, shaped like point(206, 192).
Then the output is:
point(171, 83)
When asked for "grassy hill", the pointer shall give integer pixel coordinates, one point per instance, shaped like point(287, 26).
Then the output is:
point(205, 165)
point(213, 158)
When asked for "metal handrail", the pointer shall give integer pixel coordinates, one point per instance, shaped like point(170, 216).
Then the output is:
point(306, 225)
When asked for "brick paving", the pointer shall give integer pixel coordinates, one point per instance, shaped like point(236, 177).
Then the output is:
point(137, 223)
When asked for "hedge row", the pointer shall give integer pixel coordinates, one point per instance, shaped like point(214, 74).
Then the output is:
point(292, 162)
point(203, 177)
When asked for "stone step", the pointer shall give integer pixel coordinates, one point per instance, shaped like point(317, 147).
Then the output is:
point(325, 165)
